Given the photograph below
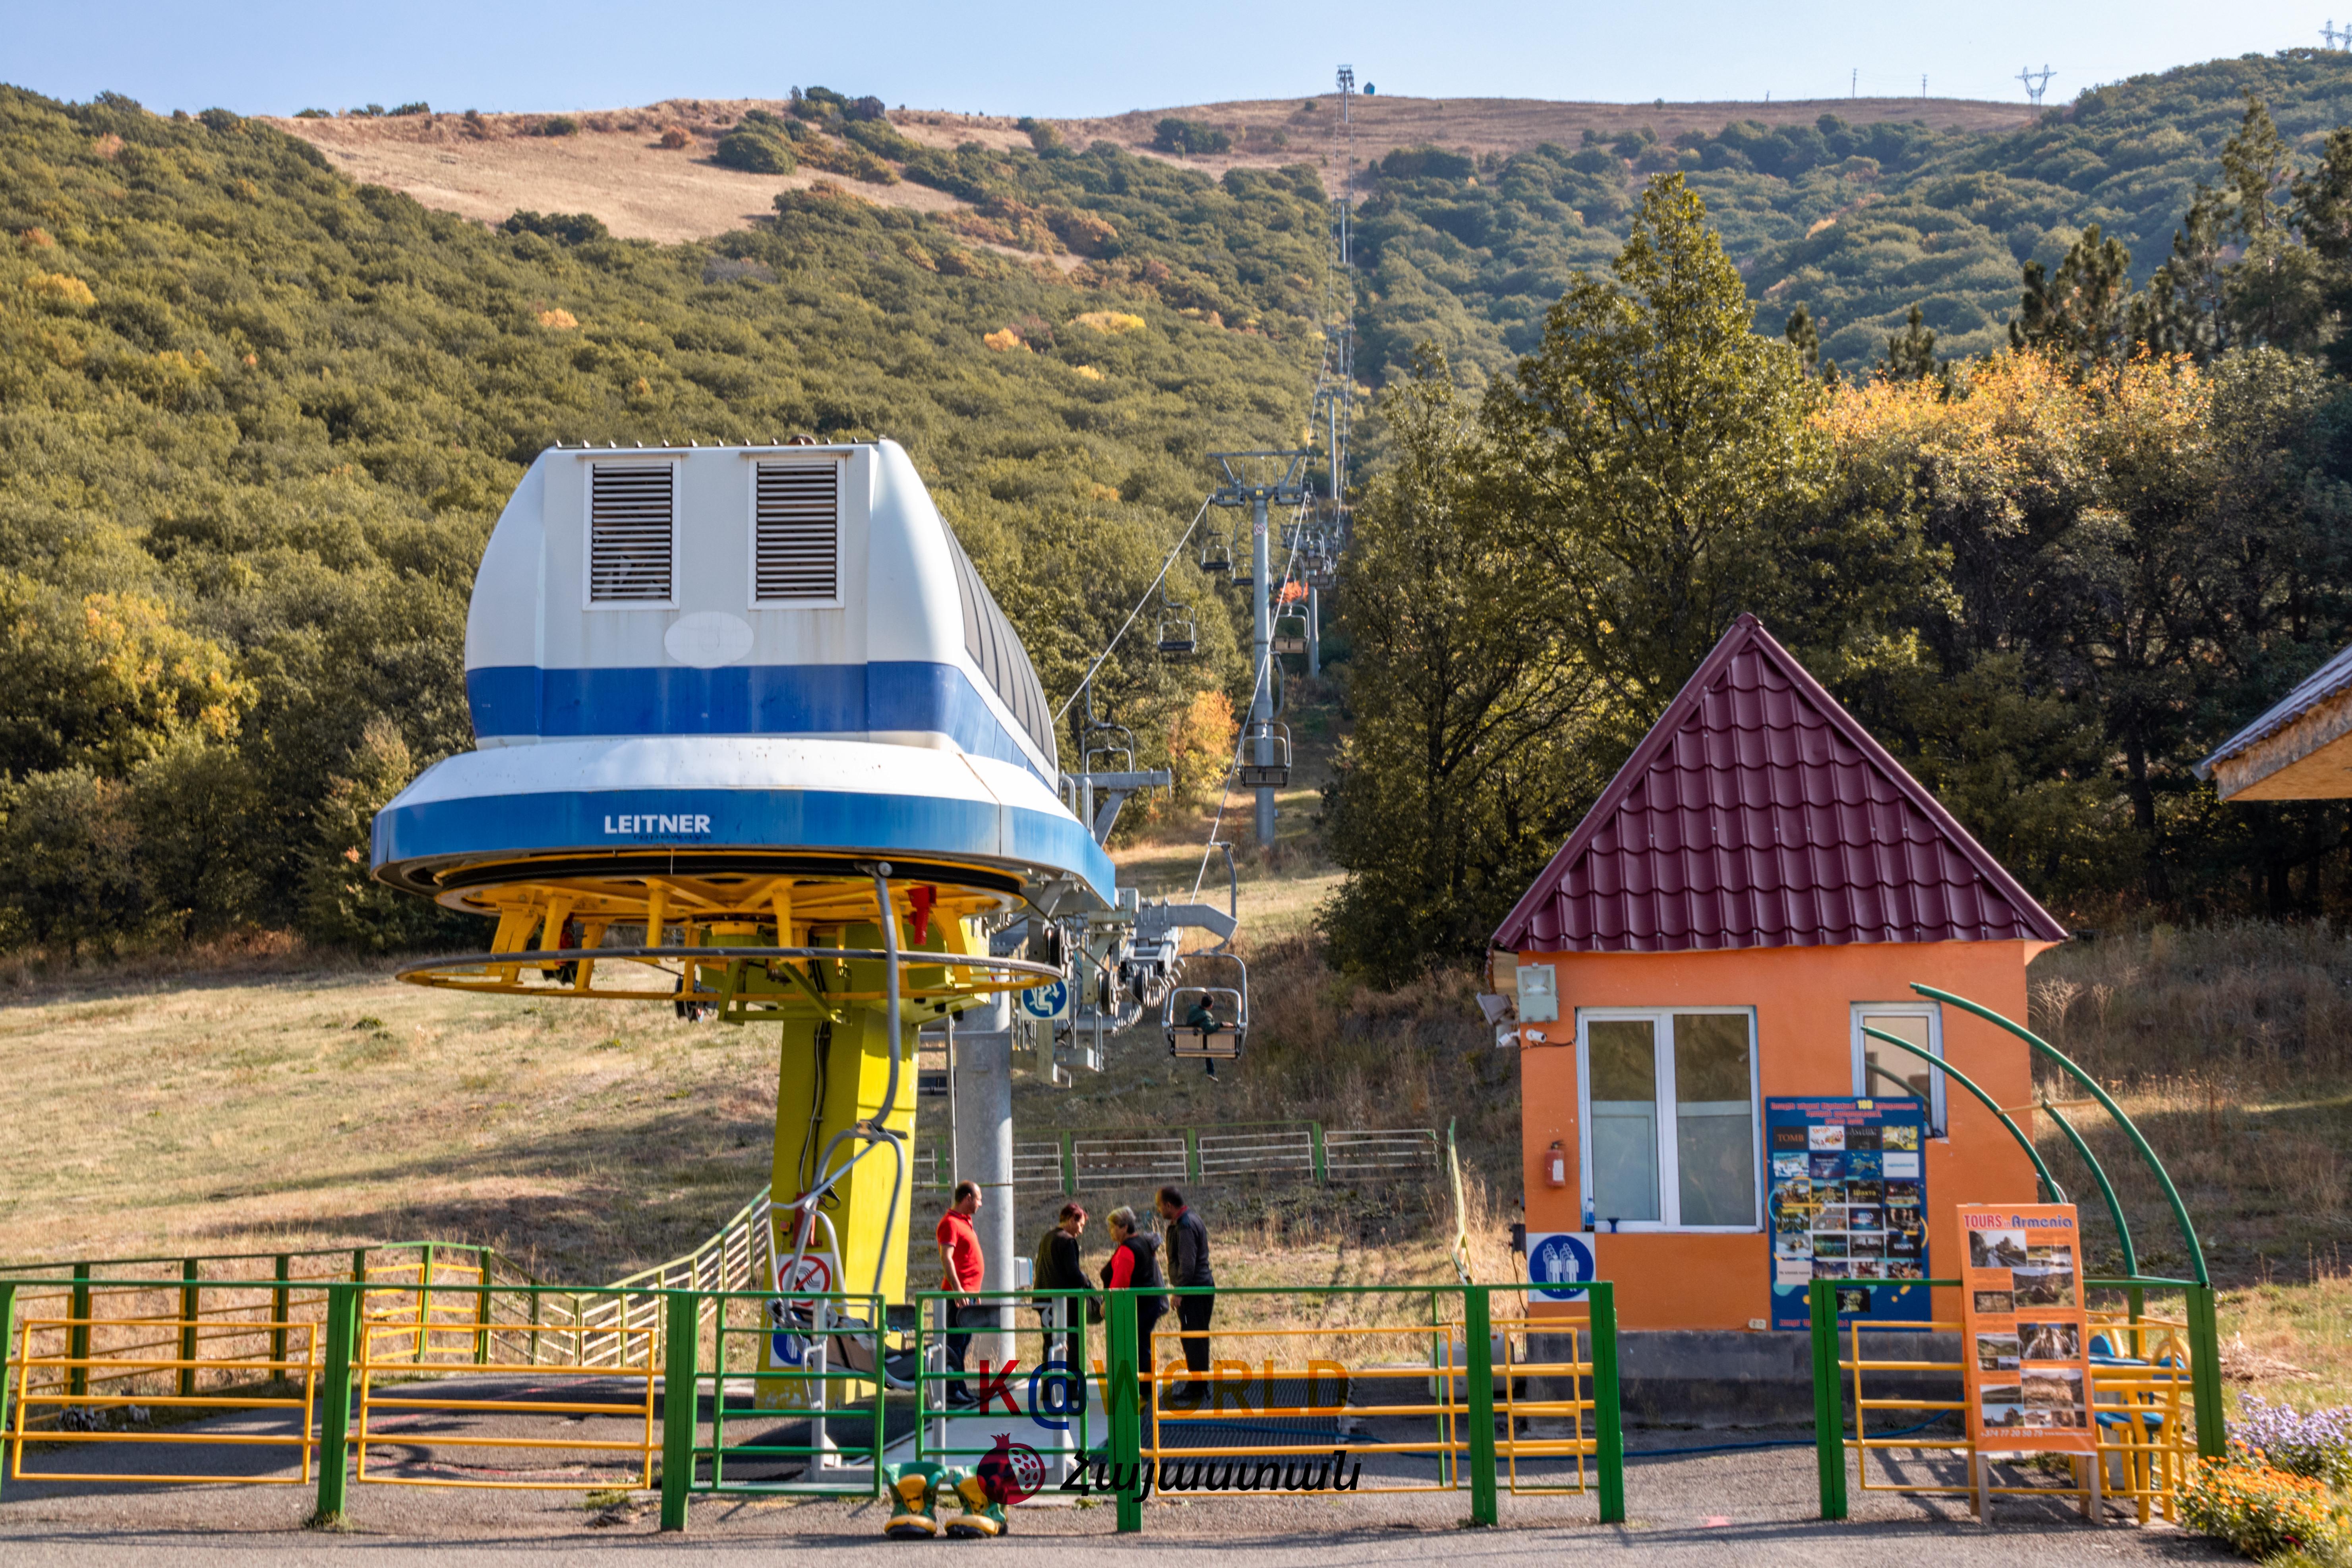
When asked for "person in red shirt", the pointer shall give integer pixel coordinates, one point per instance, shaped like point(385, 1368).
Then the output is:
point(1134, 1263)
point(960, 1268)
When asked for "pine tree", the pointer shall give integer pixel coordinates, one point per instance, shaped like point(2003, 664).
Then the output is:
point(1804, 336)
point(2081, 315)
point(1911, 352)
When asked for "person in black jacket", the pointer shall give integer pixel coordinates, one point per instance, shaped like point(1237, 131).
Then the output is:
point(1134, 1263)
point(1059, 1267)
point(1187, 1263)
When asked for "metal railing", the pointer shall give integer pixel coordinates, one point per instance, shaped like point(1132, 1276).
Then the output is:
point(2156, 1405)
point(1292, 1420)
point(1091, 1159)
point(416, 1382)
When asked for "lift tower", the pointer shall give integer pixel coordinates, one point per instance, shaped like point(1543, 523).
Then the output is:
point(1259, 480)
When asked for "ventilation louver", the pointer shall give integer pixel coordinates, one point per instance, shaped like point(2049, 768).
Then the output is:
point(796, 532)
point(632, 531)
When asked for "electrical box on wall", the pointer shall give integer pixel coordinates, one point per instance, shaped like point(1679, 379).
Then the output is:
point(1539, 994)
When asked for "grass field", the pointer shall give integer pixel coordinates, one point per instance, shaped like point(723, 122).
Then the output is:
point(268, 1099)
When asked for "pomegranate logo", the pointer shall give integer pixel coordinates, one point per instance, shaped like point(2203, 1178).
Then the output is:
point(1011, 1472)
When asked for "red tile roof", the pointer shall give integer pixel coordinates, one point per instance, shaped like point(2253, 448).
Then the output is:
point(1757, 813)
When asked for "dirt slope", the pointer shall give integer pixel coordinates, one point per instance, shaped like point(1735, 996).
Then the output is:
point(615, 167)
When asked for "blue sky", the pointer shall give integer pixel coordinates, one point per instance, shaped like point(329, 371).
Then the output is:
point(1059, 58)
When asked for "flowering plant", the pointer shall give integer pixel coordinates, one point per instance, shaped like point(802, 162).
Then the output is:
point(2256, 1508)
point(2319, 1444)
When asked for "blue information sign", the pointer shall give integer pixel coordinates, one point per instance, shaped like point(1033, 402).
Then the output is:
point(1849, 1201)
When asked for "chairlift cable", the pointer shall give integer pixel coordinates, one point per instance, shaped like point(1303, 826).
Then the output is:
point(1111, 647)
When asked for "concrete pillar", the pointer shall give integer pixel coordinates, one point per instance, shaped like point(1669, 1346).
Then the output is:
point(982, 1148)
point(1314, 631)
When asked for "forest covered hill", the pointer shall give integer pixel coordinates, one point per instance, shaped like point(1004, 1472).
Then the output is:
point(1476, 212)
point(256, 418)
point(256, 422)
point(1856, 221)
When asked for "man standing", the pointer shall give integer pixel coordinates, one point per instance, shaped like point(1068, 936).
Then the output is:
point(1187, 1263)
point(960, 1271)
point(1059, 1267)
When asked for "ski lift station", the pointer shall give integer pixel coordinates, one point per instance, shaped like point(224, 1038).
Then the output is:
point(1741, 920)
point(754, 740)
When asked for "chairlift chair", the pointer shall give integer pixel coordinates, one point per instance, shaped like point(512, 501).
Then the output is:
point(1223, 1042)
point(1178, 636)
point(1291, 614)
point(1107, 738)
point(1216, 554)
point(1274, 772)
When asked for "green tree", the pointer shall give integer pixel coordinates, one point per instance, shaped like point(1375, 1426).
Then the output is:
point(1464, 764)
point(1804, 336)
point(344, 905)
point(1911, 352)
point(1656, 458)
point(69, 866)
point(2081, 315)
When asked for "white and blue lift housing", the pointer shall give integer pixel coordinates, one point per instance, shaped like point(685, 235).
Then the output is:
point(733, 657)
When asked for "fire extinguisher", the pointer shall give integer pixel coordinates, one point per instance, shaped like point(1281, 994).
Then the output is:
point(1555, 1165)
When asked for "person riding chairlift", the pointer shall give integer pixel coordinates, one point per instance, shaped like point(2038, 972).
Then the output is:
point(1203, 1017)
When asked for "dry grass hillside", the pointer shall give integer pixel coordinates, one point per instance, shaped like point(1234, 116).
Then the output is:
point(1291, 130)
point(616, 165)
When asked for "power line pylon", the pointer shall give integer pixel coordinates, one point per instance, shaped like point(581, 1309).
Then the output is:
point(2335, 37)
point(2036, 82)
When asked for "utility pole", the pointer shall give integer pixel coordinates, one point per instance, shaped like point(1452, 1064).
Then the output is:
point(1246, 483)
point(1853, 83)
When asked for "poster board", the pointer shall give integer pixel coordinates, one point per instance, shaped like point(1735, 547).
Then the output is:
point(1848, 1193)
point(2024, 1338)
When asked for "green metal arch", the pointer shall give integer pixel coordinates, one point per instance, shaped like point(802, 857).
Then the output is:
point(2163, 1178)
point(2050, 1190)
point(2106, 1189)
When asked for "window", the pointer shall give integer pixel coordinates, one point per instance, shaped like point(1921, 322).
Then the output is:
point(1881, 1071)
point(1670, 1118)
point(632, 533)
point(796, 532)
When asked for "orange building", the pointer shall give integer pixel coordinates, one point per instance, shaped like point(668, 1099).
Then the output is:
point(1760, 882)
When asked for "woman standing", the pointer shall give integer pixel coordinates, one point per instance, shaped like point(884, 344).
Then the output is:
point(1134, 1263)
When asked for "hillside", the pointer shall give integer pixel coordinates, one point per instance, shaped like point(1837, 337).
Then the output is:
point(616, 166)
point(1857, 220)
point(1475, 212)
point(256, 421)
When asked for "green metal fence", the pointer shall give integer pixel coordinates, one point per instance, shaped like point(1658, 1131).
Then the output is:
point(731, 1387)
point(2156, 1405)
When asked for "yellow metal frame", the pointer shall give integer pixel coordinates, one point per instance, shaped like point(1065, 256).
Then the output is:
point(1449, 1408)
point(120, 1365)
point(2155, 1447)
point(1583, 1446)
point(366, 1402)
point(725, 910)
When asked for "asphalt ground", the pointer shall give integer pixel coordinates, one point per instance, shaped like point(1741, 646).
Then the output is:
point(1747, 1507)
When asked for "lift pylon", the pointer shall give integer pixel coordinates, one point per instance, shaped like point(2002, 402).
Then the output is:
point(1261, 481)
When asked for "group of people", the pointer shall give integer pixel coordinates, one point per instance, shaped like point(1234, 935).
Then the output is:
point(1134, 1263)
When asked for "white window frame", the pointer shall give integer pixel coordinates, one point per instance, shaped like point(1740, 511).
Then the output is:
point(1866, 1087)
point(613, 458)
point(1670, 1193)
point(792, 457)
